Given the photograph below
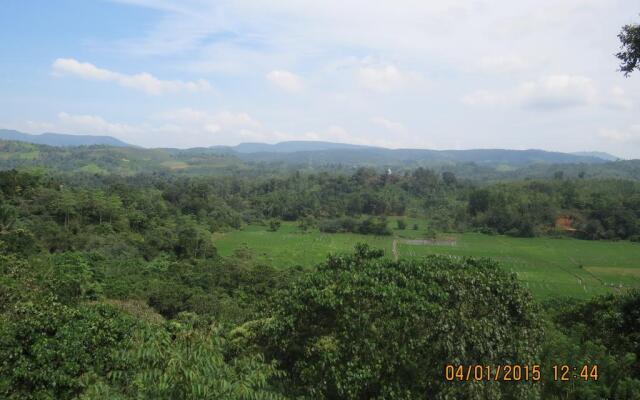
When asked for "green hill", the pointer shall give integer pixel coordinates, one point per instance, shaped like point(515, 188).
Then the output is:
point(59, 139)
point(108, 159)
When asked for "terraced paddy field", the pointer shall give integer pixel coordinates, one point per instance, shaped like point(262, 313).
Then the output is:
point(549, 267)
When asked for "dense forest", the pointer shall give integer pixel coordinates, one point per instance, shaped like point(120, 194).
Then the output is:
point(111, 287)
point(146, 215)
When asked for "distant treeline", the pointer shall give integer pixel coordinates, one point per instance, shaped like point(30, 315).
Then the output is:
point(147, 215)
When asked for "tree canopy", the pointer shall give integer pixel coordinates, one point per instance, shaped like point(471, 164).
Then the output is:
point(365, 327)
point(629, 54)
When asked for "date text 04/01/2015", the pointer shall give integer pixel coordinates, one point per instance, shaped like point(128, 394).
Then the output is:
point(517, 373)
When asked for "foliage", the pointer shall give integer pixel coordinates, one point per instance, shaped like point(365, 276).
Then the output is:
point(604, 331)
point(274, 225)
point(184, 362)
point(630, 49)
point(366, 327)
point(306, 223)
point(369, 226)
point(46, 347)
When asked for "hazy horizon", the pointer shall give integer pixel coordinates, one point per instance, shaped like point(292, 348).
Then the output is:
point(468, 74)
point(323, 141)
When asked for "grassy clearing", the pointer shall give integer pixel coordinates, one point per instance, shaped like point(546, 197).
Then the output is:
point(290, 247)
point(549, 267)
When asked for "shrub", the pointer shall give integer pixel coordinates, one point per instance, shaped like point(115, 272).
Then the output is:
point(274, 225)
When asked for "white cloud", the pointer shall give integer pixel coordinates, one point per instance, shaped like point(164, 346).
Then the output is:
point(485, 98)
point(337, 133)
point(181, 128)
point(229, 119)
point(628, 134)
point(548, 93)
point(618, 99)
point(82, 124)
point(83, 70)
point(286, 81)
point(502, 64)
point(395, 127)
point(144, 82)
point(558, 91)
point(199, 128)
point(223, 119)
point(387, 78)
point(93, 125)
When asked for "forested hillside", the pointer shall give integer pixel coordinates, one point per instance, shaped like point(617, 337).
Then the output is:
point(477, 165)
point(58, 139)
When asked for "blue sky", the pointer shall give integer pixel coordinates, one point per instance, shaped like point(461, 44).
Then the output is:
point(403, 73)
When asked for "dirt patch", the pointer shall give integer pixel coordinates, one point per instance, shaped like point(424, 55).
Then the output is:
point(175, 165)
point(565, 223)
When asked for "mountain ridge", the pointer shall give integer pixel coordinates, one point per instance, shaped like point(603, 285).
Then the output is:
point(305, 152)
point(61, 139)
point(479, 165)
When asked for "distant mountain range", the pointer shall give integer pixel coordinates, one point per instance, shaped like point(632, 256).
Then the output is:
point(317, 153)
point(322, 153)
point(329, 152)
point(412, 157)
point(71, 155)
point(290, 147)
point(61, 140)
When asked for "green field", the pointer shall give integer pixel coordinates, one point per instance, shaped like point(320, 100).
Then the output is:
point(290, 247)
point(548, 267)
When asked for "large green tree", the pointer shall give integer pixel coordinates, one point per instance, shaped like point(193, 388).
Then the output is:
point(365, 327)
point(629, 54)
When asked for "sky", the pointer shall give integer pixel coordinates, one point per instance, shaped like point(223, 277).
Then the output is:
point(455, 74)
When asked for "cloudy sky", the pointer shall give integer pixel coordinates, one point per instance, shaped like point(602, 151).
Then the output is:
point(452, 74)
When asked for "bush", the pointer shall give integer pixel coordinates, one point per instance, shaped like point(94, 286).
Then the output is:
point(274, 225)
point(401, 224)
point(306, 223)
point(19, 241)
point(330, 226)
point(370, 226)
point(374, 226)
